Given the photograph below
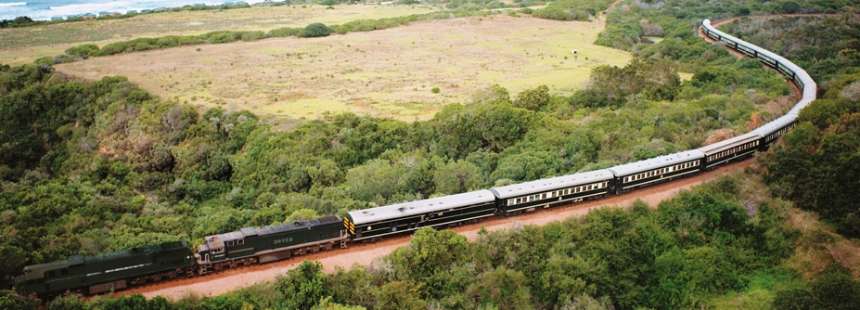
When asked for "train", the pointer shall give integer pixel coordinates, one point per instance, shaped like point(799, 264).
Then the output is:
point(255, 245)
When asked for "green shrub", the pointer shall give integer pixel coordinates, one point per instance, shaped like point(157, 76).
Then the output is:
point(83, 51)
point(113, 49)
point(789, 7)
point(316, 30)
point(285, 32)
point(252, 35)
point(221, 37)
point(435, 90)
point(64, 58)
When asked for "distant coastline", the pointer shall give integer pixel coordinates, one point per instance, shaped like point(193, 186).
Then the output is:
point(56, 10)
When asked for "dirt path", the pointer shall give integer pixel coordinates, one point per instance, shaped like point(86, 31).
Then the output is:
point(367, 254)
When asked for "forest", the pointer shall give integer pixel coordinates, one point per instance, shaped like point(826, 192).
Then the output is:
point(91, 167)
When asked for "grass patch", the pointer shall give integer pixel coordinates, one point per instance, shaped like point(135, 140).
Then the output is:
point(379, 73)
point(761, 290)
point(23, 45)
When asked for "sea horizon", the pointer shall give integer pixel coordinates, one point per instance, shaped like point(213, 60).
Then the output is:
point(49, 9)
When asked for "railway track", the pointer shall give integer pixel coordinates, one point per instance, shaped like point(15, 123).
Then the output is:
point(653, 179)
point(365, 254)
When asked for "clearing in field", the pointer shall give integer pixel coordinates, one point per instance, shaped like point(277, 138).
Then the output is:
point(23, 45)
point(406, 73)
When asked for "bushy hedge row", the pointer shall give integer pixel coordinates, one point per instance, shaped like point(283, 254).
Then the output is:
point(572, 9)
point(85, 51)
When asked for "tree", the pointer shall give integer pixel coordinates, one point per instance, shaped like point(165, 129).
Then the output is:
point(327, 304)
point(457, 177)
point(493, 94)
point(502, 288)
point(301, 215)
point(353, 286)
point(302, 287)
point(794, 299)
point(375, 179)
point(399, 295)
point(316, 30)
point(10, 300)
point(533, 99)
point(832, 289)
point(67, 302)
point(430, 251)
point(836, 289)
point(789, 7)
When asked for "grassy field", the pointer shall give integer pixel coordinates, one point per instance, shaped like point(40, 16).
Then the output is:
point(23, 45)
point(388, 73)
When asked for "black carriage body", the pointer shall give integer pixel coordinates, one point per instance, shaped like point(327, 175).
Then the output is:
point(104, 273)
point(456, 209)
point(729, 150)
point(774, 131)
point(656, 170)
point(269, 243)
point(555, 197)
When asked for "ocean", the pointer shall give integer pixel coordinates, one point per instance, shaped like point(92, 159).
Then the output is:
point(47, 9)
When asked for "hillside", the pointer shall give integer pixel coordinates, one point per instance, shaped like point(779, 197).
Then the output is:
point(92, 166)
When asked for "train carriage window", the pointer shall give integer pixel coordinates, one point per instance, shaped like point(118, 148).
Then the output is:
point(240, 242)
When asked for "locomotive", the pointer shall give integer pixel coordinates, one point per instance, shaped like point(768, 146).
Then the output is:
point(253, 245)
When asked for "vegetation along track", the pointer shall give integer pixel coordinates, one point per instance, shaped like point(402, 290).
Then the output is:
point(365, 254)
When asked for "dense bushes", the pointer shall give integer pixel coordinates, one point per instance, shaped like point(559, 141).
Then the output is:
point(118, 168)
point(677, 17)
point(817, 166)
point(832, 289)
point(572, 9)
point(691, 248)
point(821, 53)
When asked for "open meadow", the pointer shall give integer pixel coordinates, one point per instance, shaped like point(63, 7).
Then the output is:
point(407, 73)
point(23, 45)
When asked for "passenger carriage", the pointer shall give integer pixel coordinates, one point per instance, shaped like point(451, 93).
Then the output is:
point(369, 224)
point(547, 192)
point(731, 149)
point(656, 170)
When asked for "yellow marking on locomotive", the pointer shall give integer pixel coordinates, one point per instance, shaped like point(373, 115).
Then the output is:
point(350, 227)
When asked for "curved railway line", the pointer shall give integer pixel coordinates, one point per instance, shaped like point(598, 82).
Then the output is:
point(225, 253)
